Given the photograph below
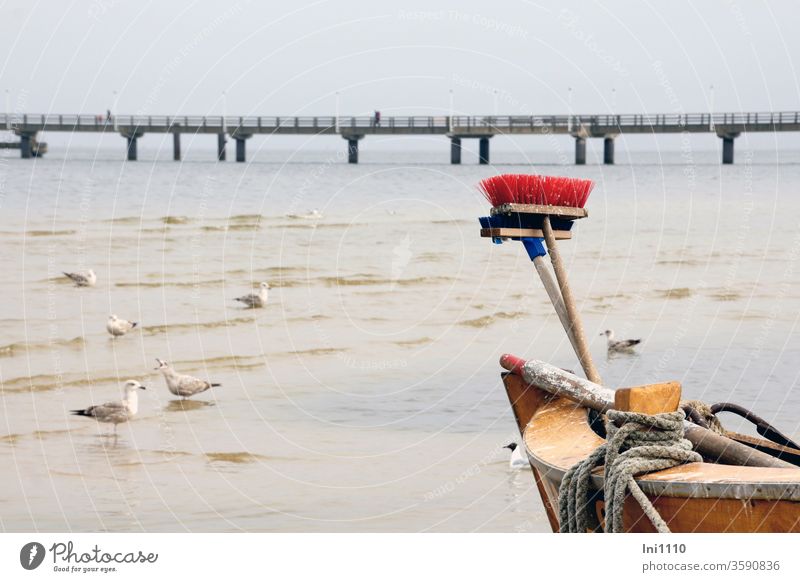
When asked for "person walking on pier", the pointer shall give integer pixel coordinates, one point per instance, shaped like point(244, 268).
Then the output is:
point(377, 121)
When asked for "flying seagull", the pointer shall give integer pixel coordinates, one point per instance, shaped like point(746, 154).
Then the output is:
point(115, 412)
point(619, 346)
point(181, 384)
point(255, 300)
point(117, 327)
point(83, 278)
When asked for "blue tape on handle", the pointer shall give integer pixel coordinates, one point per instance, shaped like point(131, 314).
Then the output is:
point(534, 246)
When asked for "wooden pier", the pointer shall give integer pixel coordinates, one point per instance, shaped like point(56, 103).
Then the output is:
point(726, 126)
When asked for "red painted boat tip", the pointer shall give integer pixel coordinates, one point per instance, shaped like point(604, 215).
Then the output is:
point(512, 363)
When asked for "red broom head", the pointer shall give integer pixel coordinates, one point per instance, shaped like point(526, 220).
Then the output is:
point(535, 189)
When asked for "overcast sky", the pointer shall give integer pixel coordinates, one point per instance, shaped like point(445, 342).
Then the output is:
point(291, 58)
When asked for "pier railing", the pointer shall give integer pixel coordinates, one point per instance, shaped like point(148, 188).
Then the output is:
point(489, 123)
point(727, 126)
point(216, 121)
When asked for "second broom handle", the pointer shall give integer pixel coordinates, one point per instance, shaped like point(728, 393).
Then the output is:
point(576, 326)
point(554, 293)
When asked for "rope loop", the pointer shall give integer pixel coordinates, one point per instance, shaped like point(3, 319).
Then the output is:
point(636, 443)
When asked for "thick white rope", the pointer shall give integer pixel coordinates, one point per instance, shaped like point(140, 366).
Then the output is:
point(636, 443)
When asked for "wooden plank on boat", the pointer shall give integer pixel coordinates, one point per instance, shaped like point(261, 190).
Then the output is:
point(649, 399)
point(525, 400)
point(565, 212)
point(788, 454)
point(522, 232)
point(715, 515)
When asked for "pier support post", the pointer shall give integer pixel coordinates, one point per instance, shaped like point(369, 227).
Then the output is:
point(727, 149)
point(455, 150)
point(131, 137)
point(580, 151)
point(176, 146)
point(608, 150)
point(483, 150)
point(221, 141)
point(132, 147)
point(240, 146)
point(352, 147)
point(25, 146)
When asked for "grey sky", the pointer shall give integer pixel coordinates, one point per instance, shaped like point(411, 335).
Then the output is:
point(292, 58)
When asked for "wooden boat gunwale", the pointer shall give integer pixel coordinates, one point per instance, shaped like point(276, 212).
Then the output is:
point(693, 480)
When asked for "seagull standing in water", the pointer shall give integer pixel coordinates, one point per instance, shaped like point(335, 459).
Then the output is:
point(518, 461)
point(117, 327)
point(181, 384)
point(115, 412)
point(255, 300)
point(83, 278)
point(619, 346)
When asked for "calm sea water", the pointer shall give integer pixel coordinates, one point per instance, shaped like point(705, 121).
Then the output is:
point(366, 396)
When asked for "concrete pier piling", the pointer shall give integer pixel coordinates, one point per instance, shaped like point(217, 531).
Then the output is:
point(240, 146)
point(176, 147)
point(221, 141)
point(25, 145)
point(608, 150)
point(352, 148)
point(455, 150)
point(727, 148)
point(133, 150)
point(580, 151)
point(483, 150)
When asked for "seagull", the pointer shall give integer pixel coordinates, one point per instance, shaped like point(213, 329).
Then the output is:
point(117, 327)
point(254, 300)
point(181, 384)
point(83, 278)
point(619, 346)
point(518, 461)
point(313, 215)
point(115, 412)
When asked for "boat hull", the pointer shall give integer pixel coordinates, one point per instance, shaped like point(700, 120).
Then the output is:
point(696, 497)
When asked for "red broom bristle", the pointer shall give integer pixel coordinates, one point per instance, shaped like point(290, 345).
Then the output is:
point(535, 189)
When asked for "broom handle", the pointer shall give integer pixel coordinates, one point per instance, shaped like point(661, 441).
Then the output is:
point(554, 293)
point(582, 348)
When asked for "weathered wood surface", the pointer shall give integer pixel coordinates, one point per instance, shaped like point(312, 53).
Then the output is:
point(649, 399)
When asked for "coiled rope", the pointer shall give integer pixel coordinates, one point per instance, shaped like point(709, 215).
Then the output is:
point(636, 443)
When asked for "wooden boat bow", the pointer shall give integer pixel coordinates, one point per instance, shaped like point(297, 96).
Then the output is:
point(696, 497)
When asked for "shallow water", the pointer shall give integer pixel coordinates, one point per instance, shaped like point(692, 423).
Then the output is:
point(366, 396)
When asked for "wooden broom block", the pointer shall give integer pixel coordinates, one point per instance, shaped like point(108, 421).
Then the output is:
point(522, 232)
point(649, 399)
point(565, 212)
